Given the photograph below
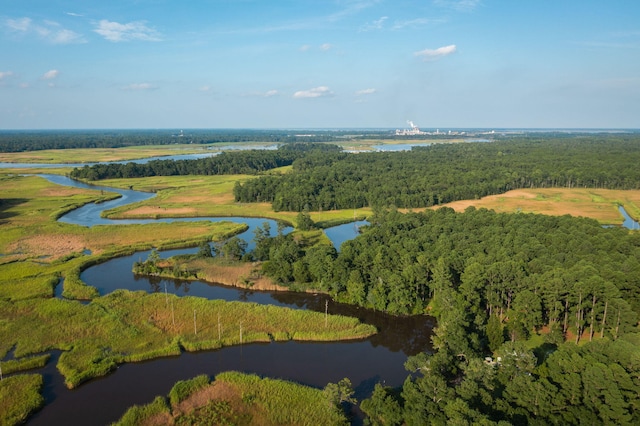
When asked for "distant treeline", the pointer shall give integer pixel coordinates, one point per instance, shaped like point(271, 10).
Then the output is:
point(226, 163)
point(443, 173)
point(22, 140)
point(18, 141)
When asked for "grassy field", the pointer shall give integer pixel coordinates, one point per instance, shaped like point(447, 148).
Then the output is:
point(129, 326)
point(19, 397)
point(82, 155)
point(213, 196)
point(190, 196)
point(36, 252)
point(599, 204)
point(234, 398)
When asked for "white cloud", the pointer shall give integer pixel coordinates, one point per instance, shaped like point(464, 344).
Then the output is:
point(365, 92)
point(22, 24)
point(77, 15)
point(459, 5)
point(140, 86)
point(326, 46)
point(432, 54)
point(305, 47)
point(316, 92)
point(5, 74)
point(117, 32)
point(50, 31)
point(267, 94)
point(378, 24)
point(414, 23)
point(50, 75)
point(66, 37)
point(204, 88)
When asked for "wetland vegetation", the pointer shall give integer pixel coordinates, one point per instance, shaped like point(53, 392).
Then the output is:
point(537, 314)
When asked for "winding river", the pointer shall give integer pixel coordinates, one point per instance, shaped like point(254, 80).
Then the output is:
point(379, 358)
point(103, 400)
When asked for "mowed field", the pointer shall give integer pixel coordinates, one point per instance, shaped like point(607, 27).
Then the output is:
point(599, 204)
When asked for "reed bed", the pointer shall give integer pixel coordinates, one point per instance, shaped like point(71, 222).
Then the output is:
point(237, 398)
point(129, 326)
point(19, 397)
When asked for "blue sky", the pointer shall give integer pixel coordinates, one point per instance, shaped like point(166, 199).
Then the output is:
point(319, 64)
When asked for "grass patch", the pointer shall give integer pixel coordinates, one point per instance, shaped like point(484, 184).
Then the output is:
point(19, 397)
point(86, 155)
point(135, 326)
point(599, 204)
point(238, 398)
point(202, 196)
point(28, 363)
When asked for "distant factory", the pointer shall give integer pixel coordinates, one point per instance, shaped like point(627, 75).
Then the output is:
point(415, 131)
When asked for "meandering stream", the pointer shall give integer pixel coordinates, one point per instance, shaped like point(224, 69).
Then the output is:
point(103, 400)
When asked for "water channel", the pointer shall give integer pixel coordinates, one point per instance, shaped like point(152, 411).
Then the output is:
point(103, 400)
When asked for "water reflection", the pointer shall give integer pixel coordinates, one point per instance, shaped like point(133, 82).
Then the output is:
point(377, 359)
point(628, 220)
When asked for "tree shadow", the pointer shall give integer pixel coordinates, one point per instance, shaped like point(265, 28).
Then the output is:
point(7, 204)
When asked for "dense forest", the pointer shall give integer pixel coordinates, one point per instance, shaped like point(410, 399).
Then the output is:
point(443, 173)
point(492, 281)
point(225, 163)
point(498, 284)
point(18, 141)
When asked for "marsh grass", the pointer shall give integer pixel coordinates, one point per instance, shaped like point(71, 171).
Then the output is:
point(23, 364)
point(19, 397)
point(135, 326)
point(80, 155)
point(189, 196)
point(238, 398)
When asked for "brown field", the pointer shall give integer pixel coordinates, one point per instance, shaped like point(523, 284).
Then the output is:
point(599, 204)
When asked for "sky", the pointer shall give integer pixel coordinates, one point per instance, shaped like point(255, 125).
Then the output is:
point(443, 64)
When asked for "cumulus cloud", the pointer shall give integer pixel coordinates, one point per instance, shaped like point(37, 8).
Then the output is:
point(117, 32)
point(50, 75)
point(140, 86)
point(316, 92)
point(432, 54)
point(325, 46)
point(305, 47)
point(5, 74)
point(364, 92)
point(50, 31)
